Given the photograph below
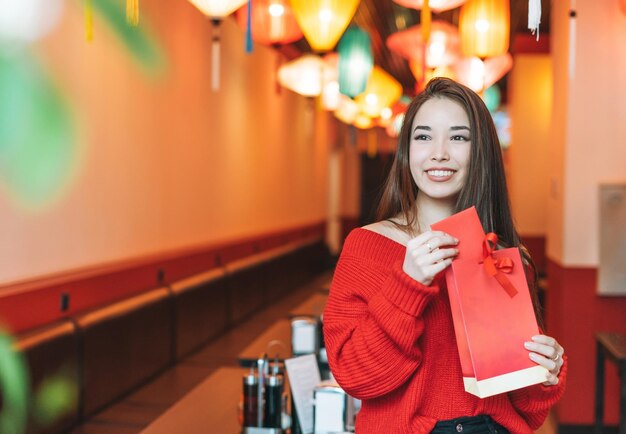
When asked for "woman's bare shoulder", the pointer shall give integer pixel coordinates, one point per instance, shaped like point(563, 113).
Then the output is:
point(387, 229)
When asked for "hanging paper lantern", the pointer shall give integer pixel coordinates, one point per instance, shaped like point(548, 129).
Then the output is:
point(355, 61)
point(273, 22)
point(323, 21)
point(436, 5)
point(484, 28)
point(393, 129)
point(25, 21)
point(382, 91)
point(491, 96)
point(331, 96)
point(347, 110)
point(363, 122)
point(443, 47)
point(306, 75)
point(216, 10)
point(478, 75)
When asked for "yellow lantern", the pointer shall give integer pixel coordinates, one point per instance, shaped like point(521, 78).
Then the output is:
point(484, 28)
point(363, 122)
point(323, 21)
point(382, 91)
point(347, 111)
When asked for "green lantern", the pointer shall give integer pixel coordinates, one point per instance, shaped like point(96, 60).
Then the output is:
point(492, 96)
point(355, 61)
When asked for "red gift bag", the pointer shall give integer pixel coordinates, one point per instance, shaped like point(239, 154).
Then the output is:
point(491, 308)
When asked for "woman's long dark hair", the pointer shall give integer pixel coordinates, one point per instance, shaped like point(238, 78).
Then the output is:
point(485, 187)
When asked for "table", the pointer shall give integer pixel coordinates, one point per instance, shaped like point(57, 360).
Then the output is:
point(611, 347)
point(210, 407)
point(312, 306)
point(275, 341)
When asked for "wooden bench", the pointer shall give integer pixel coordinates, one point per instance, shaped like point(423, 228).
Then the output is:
point(51, 356)
point(201, 310)
point(123, 345)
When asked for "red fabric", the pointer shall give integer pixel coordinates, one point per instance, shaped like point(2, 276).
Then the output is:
point(391, 343)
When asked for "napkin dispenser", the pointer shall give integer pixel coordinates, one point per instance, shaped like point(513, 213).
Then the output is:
point(305, 335)
point(333, 409)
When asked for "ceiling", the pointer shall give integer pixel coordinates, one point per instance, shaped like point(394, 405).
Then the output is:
point(381, 18)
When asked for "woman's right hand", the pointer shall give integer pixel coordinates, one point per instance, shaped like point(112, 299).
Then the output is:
point(424, 258)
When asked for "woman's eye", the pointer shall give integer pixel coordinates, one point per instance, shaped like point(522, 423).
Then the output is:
point(421, 137)
point(460, 138)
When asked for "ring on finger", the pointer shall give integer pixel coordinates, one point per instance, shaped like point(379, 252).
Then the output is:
point(430, 248)
point(555, 358)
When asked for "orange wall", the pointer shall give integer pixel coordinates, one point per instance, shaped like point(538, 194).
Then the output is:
point(164, 162)
point(530, 107)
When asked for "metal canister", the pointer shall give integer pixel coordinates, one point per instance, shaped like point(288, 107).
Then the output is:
point(250, 399)
point(273, 401)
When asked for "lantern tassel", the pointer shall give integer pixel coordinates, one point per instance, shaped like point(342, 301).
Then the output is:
point(572, 41)
point(132, 12)
point(88, 20)
point(534, 16)
point(249, 28)
point(425, 19)
point(215, 57)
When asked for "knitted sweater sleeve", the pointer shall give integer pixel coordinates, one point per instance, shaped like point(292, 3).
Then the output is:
point(534, 402)
point(372, 323)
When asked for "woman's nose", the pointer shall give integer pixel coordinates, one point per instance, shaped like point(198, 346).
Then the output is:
point(440, 152)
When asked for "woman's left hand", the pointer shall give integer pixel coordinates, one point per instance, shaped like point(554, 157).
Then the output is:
point(546, 351)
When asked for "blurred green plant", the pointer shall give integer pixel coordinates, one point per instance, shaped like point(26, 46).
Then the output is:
point(14, 388)
point(139, 41)
point(37, 145)
point(55, 397)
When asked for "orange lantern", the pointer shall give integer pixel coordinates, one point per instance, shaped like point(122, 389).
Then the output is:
point(484, 28)
point(382, 91)
point(273, 22)
point(323, 21)
point(479, 74)
point(436, 5)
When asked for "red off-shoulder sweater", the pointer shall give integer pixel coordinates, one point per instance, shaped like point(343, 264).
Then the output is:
point(390, 342)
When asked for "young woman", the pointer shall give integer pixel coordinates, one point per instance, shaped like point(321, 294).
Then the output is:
point(387, 325)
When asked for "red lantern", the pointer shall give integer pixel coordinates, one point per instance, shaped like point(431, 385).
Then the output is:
point(273, 22)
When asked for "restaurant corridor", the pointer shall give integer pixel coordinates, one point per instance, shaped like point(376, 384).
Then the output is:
point(142, 407)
